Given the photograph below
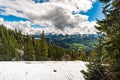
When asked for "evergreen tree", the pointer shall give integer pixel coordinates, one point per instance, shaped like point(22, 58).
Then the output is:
point(43, 47)
point(37, 50)
point(29, 52)
point(5, 47)
point(96, 69)
point(13, 46)
point(110, 27)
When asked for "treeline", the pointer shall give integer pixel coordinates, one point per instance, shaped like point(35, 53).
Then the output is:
point(16, 46)
point(105, 59)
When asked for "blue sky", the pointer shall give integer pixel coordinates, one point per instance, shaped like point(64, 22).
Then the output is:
point(95, 12)
point(12, 18)
point(53, 15)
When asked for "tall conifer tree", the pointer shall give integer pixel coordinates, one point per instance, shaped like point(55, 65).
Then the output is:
point(44, 47)
point(97, 70)
point(110, 27)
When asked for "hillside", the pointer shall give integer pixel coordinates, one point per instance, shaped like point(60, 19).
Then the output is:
point(74, 42)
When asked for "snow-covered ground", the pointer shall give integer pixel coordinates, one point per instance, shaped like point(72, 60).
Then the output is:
point(43, 70)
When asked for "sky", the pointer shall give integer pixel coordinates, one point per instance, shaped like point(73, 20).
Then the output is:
point(51, 16)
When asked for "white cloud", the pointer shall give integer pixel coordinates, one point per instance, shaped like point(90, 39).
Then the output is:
point(21, 25)
point(25, 27)
point(1, 20)
point(56, 14)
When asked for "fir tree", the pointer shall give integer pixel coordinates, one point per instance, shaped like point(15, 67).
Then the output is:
point(37, 50)
point(110, 27)
point(43, 47)
point(29, 52)
point(4, 43)
point(96, 69)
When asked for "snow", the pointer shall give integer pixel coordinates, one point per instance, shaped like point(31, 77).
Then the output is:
point(42, 70)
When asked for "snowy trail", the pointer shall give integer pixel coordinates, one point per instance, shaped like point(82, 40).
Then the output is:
point(46, 70)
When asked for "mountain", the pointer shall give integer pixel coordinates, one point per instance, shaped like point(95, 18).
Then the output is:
point(75, 42)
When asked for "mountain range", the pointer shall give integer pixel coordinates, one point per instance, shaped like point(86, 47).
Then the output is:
point(74, 42)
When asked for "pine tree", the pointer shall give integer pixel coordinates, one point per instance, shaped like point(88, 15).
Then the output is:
point(29, 52)
point(43, 47)
point(96, 69)
point(110, 27)
point(37, 50)
point(5, 47)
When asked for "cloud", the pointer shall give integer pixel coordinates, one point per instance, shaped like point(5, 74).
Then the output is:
point(1, 20)
point(25, 27)
point(55, 14)
point(20, 25)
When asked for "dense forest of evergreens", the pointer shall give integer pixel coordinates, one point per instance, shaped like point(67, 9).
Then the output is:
point(16, 46)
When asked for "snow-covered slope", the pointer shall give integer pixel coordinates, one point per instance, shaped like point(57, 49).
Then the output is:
point(46, 70)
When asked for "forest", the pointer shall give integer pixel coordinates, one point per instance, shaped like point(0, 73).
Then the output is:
point(15, 46)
